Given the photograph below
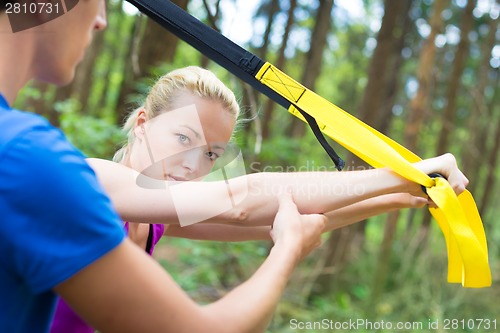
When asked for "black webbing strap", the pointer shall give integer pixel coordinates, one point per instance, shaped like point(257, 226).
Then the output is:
point(223, 51)
point(339, 163)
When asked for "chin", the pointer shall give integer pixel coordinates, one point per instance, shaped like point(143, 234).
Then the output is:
point(60, 81)
point(60, 75)
point(64, 80)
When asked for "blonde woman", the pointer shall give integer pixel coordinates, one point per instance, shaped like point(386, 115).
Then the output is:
point(179, 133)
point(184, 127)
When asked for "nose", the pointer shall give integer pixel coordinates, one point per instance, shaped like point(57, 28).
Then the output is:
point(100, 20)
point(193, 161)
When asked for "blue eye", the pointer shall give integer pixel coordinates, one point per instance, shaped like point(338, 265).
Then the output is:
point(183, 138)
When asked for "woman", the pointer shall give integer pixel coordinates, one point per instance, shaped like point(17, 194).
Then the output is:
point(179, 133)
point(184, 127)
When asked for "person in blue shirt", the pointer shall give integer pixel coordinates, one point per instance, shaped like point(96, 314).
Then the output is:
point(59, 233)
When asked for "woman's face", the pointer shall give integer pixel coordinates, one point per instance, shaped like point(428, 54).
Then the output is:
point(183, 143)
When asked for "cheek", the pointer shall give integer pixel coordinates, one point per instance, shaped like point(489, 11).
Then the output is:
point(206, 168)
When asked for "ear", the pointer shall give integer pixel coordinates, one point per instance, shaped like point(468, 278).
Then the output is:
point(140, 122)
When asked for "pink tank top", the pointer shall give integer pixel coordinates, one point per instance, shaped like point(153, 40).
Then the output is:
point(66, 320)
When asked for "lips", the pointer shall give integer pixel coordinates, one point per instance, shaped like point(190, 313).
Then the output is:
point(176, 178)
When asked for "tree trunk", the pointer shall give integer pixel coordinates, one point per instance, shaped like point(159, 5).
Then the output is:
point(280, 63)
point(492, 165)
point(481, 115)
point(314, 58)
point(448, 118)
point(81, 86)
point(384, 70)
point(384, 258)
point(153, 46)
point(274, 8)
point(131, 71)
point(419, 105)
point(118, 51)
point(461, 54)
point(268, 10)
point(380, 117)
point(213, 19)
point(381, 87)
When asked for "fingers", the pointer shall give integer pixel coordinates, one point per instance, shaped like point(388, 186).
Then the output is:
point(302, 232)
point(287, 219)
point(455, 176)
point(286, 203)
point(315, 225)
point(418, 202)
point(447, 166)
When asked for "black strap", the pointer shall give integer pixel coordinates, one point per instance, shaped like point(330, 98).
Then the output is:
point(339, 163)
point(149, 243)
point(223, 51)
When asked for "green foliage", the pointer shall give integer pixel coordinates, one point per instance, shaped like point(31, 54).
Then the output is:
point(95, 137)
point(207, 270)
point(416, 292)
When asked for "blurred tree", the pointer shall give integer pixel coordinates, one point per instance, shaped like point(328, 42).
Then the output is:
point(376, 111)
point(482, 112)
point(268, 11)
point(262, 123)
point(314, 57)
point(279, 63)
point(152, 45)
point(448, 118)
point(453, 89)
point(81, 86)
point(492, 166)
point(213, 22)
point(419, 104)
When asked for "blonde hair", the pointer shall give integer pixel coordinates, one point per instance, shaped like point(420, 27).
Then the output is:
point(196, 80)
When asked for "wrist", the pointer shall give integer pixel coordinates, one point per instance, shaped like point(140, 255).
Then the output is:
point(398, 184)
point(288, 251)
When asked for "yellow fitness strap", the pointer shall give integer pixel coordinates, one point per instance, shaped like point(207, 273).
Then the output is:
point(457, 217)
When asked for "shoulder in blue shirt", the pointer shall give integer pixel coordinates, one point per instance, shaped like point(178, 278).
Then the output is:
point(56, 218)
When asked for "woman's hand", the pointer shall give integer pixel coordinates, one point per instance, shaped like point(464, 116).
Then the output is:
point(447, 166)
point(301, 233)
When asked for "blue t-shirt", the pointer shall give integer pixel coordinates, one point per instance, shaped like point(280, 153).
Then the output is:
point(55, 218)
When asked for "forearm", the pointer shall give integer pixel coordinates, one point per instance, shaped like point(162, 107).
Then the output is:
point(315, 192)
point(365, 209)
point(219, 232)
point(336, 219)
point(104, 292)
point(247, 200)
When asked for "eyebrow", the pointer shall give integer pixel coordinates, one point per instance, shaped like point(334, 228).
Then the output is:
point(193, 130)
point(216, 146)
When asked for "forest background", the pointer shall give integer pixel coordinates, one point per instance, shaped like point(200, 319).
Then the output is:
point(426, 73)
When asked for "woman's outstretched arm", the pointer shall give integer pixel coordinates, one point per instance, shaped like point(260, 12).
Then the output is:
point(251, 200)
point(336, 219)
